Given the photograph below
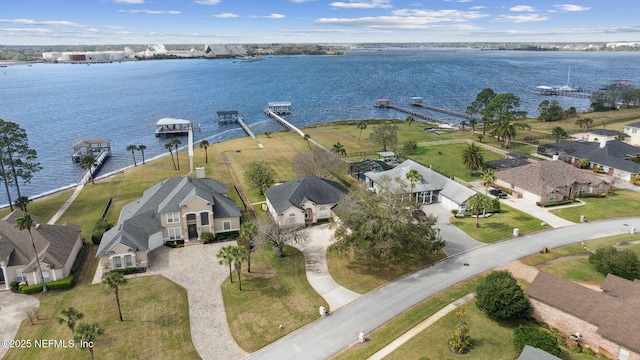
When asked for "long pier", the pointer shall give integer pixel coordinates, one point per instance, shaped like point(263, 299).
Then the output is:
point(245, 127)
point(102, 157)
point(416, 114)
point(447, 111)
point(284, 122)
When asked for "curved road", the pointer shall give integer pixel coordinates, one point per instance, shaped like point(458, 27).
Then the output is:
point(329, 335)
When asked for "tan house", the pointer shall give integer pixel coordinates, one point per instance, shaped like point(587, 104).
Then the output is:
point(57, 246)
point(177, 209)
point(606, 321)
point(633, 131)
point(550, 181)
point(306, 200)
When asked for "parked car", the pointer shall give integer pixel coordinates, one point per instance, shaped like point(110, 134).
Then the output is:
point(498, 193)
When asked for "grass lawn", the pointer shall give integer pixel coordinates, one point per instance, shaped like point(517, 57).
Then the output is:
point(364, 276)
point(275, 293)
point(499, 226)
point(576, 269)
point(619, 204)
point(568, 250)
point(155, 326)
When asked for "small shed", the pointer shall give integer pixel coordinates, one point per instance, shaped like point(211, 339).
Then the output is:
point(387, 156)
point(415, 100)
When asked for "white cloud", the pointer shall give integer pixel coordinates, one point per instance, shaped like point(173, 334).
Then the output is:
point(477, 7)
point(225, 15)
point(397, 22)
point(114, 27)
point(300, 1)
point(520, 18)
point(27, 30)
point(128, 1)
point(45, 23)
point(274, 16)
point(207, 2)
point(570, 7)
point(355, 4)
point(522, 8)
point(440, 15)
point(152, 12)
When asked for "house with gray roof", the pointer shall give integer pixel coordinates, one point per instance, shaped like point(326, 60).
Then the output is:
point(57, 247)
point(306, 200)
point(432, 187)
point(533, 353)
point(613, 157)
point(605, 321)
point(597, 135)
point(177, 209)
point(549, 181)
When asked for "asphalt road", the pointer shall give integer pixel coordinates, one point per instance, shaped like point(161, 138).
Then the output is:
point(329, 335)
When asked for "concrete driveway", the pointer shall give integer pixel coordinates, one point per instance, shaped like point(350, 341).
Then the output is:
point(13, 308)
point(457, 241)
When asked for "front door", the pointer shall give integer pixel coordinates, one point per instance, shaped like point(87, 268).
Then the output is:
point(192, 229)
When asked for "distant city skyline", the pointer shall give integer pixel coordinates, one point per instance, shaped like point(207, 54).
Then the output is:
point(83, 22)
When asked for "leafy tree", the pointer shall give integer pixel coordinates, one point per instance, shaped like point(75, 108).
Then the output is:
point(501, 112)
point(583, 163)
point(248, 231)
point(460, 341)
point(361, 125)
point(115, 280)
point(379, 226)
point(279, 235)
point(495, 206)
point(25, 222)
point(536, 337)
point(559, 133)
point(339, 149)
point(472, 157)
point(204, 144)
point(133, 149)
point(570, 112)
point(385, 135)
point(478, 204)
point(260, 175)
point(17, 159)
point(142, 148)
point(267, 133)
point(86, 335)
point(239, 254)
point(623, 263)
point(225, 257)
point(87, 163)
point(22, 202)
point(488, 179)
point(501, 296)
point(409, 120)
point(479, 105)
point(413, 176)
point(307, 137)
point(169, 146)
point(318, 162)
point(550, 111)
point(69, 316)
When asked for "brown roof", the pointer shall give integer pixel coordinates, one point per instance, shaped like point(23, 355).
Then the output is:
point(612, 310)
point(543, 177)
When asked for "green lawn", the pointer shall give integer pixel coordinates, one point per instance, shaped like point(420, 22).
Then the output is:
point(576, 269)
point(155, 326)
point(275, 293)
point(620, 204)
point(499, 226)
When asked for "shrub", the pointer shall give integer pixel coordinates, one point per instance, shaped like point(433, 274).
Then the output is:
point(591, 195)
point(13, 286)
point(227, 235)
point(99, 229)
point(206, 237)
point(31, 289)
point(495, 206)
point(174, 243)
point(623, 263)
point(501, 296)
point(410, 146)
point(61, 284)
point(588, 351)
point(535, 337)
point(555, 203)
point(583, 163)
point(635, 179)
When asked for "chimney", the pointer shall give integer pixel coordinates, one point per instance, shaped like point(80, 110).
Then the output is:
point(603, 142)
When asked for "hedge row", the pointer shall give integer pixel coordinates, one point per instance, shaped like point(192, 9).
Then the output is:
point(62, 284)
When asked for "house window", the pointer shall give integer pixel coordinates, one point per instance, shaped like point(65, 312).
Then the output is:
point(20, 276)
point(204, 218)
point(323, 213)
point(128, 260)
point(552, 196)
point(117, 262)
point(600, 188)
point(292, 219)
point(173, 217)
point(623, 354)
point(46, 276)
point(191, 217)
point(226, 225)
point(633, 131)
point(175, 233)
point(583, 188)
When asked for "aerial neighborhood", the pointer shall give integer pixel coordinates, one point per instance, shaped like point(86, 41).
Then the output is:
point(495, 236)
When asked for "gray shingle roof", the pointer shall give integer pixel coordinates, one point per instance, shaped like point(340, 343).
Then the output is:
point(533, 353)
point(542, 177)
point(297, 192)
point(635, 124)
point(140, 218)
point(614, 154)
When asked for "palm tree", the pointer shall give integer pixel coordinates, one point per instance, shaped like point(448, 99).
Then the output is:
point(361, 125)
point(25, 222)
point(70, 316)
point(169, 146)
point(306, 138)
point(584, 123)
point(509, 130)
point(87, 163)
point(559, 133)
point(488, 179)
point(409, 120)
point(225, 258)
point(478, 204)
point(339, 149)
point(239, 254)
point(463, 124)
point(142, 148)
point(472, 158)
point(604, 124)
point(472, 124)
point(114, 280)
point(22, 202)
point(247, 231)
point(133, 149)
point(176, 143)
point(413, 176)
point(86, 335)
point(204, 144)
point(267, 133)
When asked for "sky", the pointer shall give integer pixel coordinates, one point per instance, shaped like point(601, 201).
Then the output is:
point(72, 22)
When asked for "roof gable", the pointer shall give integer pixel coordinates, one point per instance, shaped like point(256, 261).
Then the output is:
point(309, 188)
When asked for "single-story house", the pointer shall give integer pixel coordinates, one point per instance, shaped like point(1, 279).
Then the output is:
point(57, 246)
point(533, 353)
point(432, 187)
point(179, 208)
point(306, 200)
point(597, 135)
point(605, 321)
point(357, 169)
point(612, 156)
point(633, 131)
point(548, 181)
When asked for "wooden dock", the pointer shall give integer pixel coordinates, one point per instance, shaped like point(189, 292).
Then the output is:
point(240, 120)
point(99, 161)
point(447, 111)
point(284, 122)
point(415, 114)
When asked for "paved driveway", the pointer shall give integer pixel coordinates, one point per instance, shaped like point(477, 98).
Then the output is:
point(13, 309)
point(457, 241)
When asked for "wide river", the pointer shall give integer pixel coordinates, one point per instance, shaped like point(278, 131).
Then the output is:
point(60, 104)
